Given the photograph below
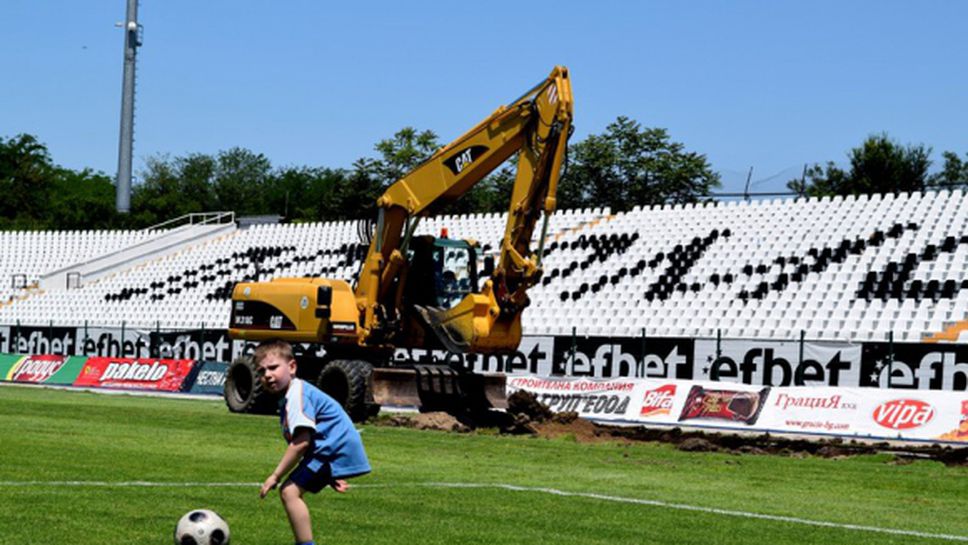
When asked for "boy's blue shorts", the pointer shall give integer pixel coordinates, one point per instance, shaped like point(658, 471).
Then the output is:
point(312, 475)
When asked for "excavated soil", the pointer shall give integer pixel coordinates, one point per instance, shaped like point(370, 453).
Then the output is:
point(526, 416)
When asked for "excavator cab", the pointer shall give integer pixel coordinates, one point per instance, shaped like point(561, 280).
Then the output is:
point(442, 271)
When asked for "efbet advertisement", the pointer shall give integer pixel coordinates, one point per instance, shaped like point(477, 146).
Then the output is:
point(860, 412)
point(760, 362)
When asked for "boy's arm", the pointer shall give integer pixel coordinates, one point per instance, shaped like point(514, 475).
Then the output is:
point(294, 452)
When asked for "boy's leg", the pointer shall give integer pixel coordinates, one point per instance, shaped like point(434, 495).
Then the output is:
point(297, 511)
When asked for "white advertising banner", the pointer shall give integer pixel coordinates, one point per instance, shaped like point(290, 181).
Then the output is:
point(848, 412)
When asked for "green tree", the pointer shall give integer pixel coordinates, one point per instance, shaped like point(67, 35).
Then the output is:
point(26, 174)
point(38, 194)
point(305, 193)
point(241, 177)
point(954, 172)
point(879, 165)
point(170, 188)
point(593, 175)
point(81, 200)
point(355, 197)
point(403, 153)
point(630, 165)
point(493, 194)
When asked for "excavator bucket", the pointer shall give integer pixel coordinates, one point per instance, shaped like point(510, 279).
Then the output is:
point(439, 388)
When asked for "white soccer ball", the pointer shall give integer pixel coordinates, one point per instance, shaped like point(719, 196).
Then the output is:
point(201, 527)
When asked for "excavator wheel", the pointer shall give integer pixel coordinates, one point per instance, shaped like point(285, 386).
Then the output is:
point(348, 382)
point(244, 392)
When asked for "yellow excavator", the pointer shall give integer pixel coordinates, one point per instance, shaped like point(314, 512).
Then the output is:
point(419, 291)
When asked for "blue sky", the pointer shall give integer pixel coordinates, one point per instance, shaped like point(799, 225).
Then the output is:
point(772, 85)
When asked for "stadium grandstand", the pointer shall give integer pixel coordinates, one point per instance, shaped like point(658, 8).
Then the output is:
point(27, 255)
point(843, 268)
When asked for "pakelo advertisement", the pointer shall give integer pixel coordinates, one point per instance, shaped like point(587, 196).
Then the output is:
point(139, 374)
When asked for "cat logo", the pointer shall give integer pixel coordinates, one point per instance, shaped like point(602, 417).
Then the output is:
point(459, 161)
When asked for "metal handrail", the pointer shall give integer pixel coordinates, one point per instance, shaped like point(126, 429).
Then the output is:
point(206, 218)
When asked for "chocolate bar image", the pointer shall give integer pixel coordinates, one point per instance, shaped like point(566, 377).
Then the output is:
point(730, 405)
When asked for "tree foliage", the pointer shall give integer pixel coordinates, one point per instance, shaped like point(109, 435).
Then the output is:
point(954, 172)
point(37, 194)
point(624, 166)
point(630, 165)
point(879, 165)
point(403, 153)
point(26, 172)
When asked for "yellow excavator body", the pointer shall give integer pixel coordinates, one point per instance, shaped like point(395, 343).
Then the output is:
point(405, 296)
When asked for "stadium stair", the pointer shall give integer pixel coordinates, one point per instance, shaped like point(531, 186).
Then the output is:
point(169, 237)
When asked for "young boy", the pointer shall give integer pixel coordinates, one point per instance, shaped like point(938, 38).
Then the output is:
point(321, 437)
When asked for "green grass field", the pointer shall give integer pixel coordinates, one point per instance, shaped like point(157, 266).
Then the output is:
point(53, 442)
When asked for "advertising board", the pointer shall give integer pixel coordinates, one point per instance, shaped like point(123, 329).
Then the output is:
point(138, 374)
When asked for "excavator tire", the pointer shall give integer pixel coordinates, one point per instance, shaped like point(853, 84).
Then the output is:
point(349, 383)
point(244, 392)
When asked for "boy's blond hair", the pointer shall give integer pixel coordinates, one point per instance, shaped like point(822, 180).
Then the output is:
point(278, 347)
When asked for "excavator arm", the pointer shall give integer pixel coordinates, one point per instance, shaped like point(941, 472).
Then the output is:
point(536, 126)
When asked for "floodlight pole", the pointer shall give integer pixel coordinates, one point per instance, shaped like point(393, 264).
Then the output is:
point(132, 40)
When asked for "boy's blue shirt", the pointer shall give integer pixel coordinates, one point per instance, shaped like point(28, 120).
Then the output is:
point(335, 439)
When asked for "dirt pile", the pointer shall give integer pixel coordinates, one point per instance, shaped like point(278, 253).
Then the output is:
point(427, 421)
point(526, 415)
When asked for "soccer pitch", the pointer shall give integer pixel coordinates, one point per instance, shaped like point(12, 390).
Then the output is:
point(82, 468)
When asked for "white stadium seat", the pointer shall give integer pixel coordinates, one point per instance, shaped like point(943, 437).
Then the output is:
point(848, 268)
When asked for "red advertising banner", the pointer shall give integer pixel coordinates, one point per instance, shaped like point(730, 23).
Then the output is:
point(36, 369)
point(142, 374)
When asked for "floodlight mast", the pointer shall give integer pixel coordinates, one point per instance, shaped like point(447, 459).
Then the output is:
point(132, 40)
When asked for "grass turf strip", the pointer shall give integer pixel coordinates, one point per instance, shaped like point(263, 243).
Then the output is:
point(512, 488)
point(72, 436)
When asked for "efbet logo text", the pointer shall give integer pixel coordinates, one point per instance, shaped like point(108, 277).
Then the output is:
point(762, 366)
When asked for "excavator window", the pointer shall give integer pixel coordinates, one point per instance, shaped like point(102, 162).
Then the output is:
point(455, 272)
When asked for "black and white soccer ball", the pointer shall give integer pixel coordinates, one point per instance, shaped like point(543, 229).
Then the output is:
point(201, 527)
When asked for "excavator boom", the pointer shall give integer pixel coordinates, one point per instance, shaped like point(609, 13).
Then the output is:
point(536, 126)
